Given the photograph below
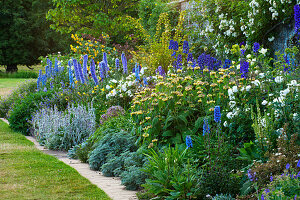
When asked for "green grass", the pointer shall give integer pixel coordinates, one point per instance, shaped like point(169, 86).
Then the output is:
point(8, 84)
point(23, 68)
point(27, 173)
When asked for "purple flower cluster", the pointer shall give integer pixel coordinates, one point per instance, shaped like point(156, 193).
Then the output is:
point(217, 114)
point(256, 47)
point(93, 72)
point(297, 19)
point(102, 68)
point(80, 73)
point(251, 175)
point(77, 76)
point(227, 64)
point(188, 142)
point(244, 68)
point(113, 111)
point(160, 71)
point(186, 47)
point(124, 63)
point(211, 62)
point(206, 129)
point(117, 61)
point(173, 45)
point(84, 66)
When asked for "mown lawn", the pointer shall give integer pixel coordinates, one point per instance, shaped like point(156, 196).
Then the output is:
point(27, 173)
point(8, 84)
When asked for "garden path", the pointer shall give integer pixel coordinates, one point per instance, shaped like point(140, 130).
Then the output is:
point(110, 185)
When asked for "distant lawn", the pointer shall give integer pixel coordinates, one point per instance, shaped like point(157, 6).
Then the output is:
point(8, 84)
point(27, 173)
point(22, 68)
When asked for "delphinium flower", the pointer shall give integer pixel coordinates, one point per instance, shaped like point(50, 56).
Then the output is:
point(76, 70)
point(56, 66)
point(160, 71)
point(102, 69)
point(124, 63)
point(175, 46)
point(186, 47)
point(242, 44)
point(171, 45)
point(217, 114)
point(287, 63)
point(271, 178)
point(39, 80)
point(287, 166)
point(256, 47)
point(201, 61)
point(298, 164)
point(297, 19)
point(93, 72)
point(49, 63)
point(71, 80)
point(44, 79)
point(47, 69)
point(243, 51)
point(244, 68)
point(262, 197)
point(251, 175)
point(206, 129)
point(190, 57)
point(84, 66)
point(80, 73)
point(117, 61)
point(137, 71)
point(217, 63)
point(179, 60)
point(227, 64)
point(145, 81)
point(188, 142)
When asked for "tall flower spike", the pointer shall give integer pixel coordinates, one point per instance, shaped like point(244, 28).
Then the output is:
point(171, 45)
point(217, 114)
point(188, 142)
point(137, 71)
point(71, 80)
point(76, 70)
point(80, 73)
point(93, 72)
point(102, 69)
point(175, 46)
point(186, 47)
point(124, 63)
point(206, 129)
point(190, 57)
point(256, 47)
point(297, 19)
point(105, 61)
point(56, 66)
point(84, 66)
point(117, 63)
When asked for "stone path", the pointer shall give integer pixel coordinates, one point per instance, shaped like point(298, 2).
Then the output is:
point(110, 185)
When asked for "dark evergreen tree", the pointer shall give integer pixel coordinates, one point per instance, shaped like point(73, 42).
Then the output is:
point(25, 34)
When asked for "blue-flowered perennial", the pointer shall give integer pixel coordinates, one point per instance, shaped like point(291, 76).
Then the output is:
point(188, 142)
point(93, 72)
point(217, 114)
point(124, 63)
point(186, 47)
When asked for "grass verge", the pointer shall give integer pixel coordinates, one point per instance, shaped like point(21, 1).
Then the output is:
point(27, 173)
point(8, 84)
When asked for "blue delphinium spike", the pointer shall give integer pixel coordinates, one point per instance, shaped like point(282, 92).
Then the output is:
point(105, 59)
point(186, 47)
point(244, 69)
point(160, 71)
point(190, 57)
point(71, 80)
point(297, 19)
point(124, 63)
point(206, 129)
point(287, 166)
point(93, 72)
point(84, 66)
point(39, 79)
point(171, 45)
point(256, 47)
point(217, 114)
point(175, 46)
point(102, 69)
point(298, 164)
point(145, 81)
point(188, 142)
point(117, 63)
point(137, 71)
point(76, 70)
point(56, 66)
point(80, 73)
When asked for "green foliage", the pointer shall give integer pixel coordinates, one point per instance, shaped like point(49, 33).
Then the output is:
point(250, 152)
point(222, 197)
point(20, 116)
point(171, 176)
point(19, 75)
point(116, 18)
point(111, 145)
point(7, 104)
point(19, 45)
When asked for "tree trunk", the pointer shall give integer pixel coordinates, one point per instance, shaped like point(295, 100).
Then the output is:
point(11, 68)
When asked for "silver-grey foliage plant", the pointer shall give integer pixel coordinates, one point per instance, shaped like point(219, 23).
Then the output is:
point(64, 129)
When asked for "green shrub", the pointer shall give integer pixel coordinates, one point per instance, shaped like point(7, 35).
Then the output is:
point(16, 96)
point(20, 116)
point(19, 75)
point(112, 144)
point(133, 178)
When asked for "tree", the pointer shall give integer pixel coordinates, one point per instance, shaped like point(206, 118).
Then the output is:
point(95, 17)
point(25, 34)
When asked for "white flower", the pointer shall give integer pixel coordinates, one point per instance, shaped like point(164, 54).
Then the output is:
point(248, 56)
point(225, 124)
point(123, 87)
point(229, 115)
point(248, 87)
point(278, 79)
point(113, 81)
point(230, 92)
point(107, 87)
point(129, 93)
point(271, 38)
point(295, 115)
point(232, 104)
point(235, 88)
point(264, 102)
point(271, 94)
point(293, 83)
point(256, 82)
point(263, 51)
point(284, 92)
point(261, 75)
